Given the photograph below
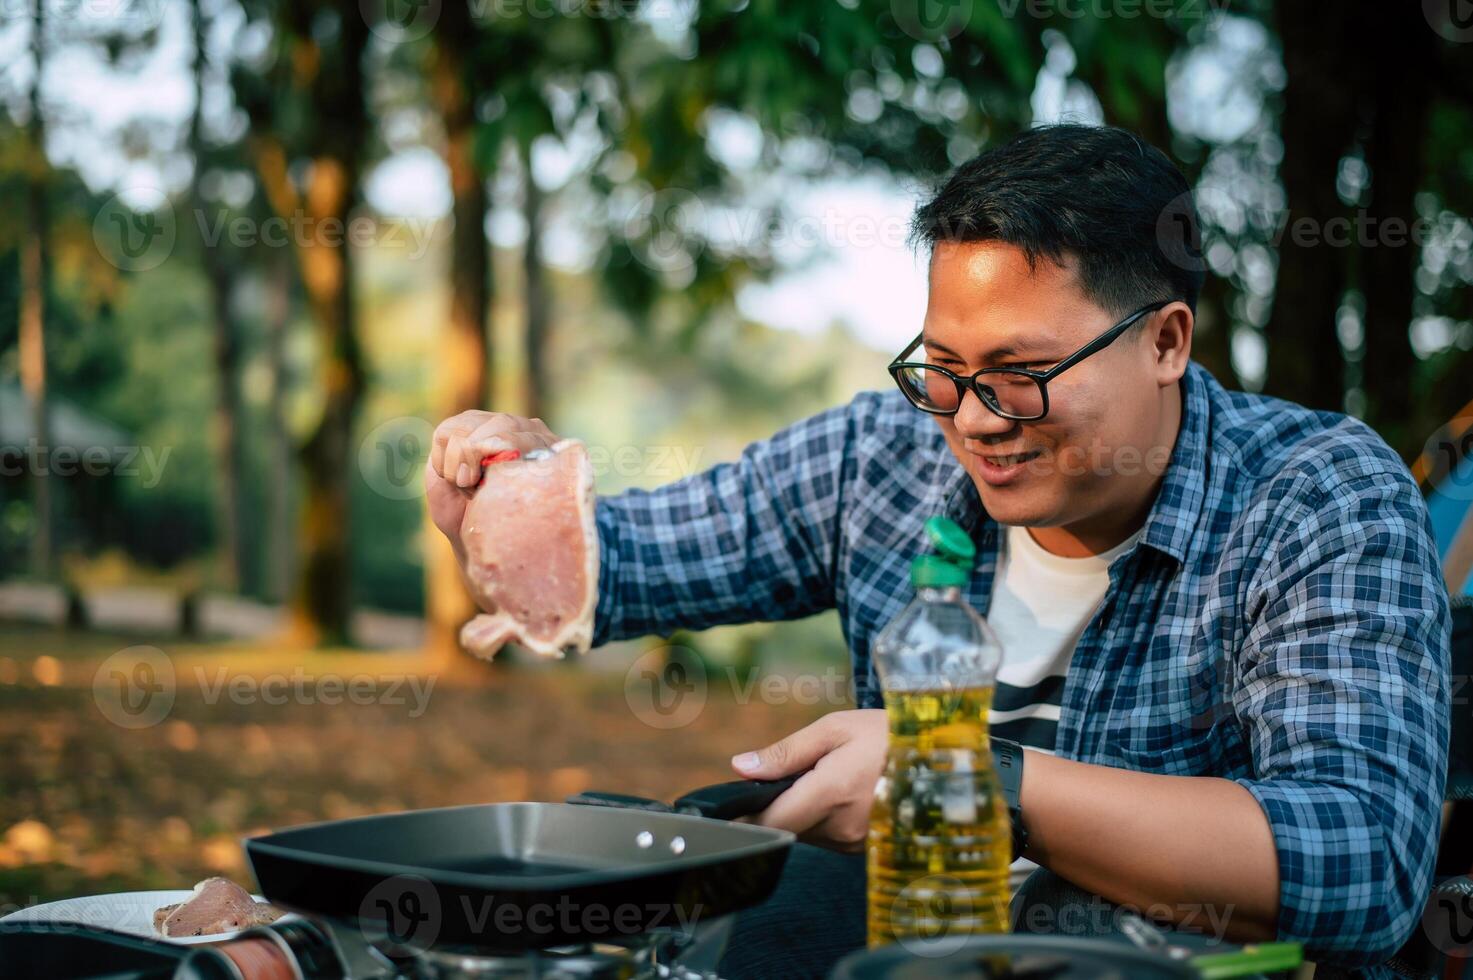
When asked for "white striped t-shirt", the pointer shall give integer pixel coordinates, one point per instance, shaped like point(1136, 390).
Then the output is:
point(1041, 603)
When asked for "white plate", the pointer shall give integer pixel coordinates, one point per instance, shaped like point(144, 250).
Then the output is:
point(130, 912)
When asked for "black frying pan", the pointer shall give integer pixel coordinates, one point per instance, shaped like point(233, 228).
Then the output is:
point(514, 876)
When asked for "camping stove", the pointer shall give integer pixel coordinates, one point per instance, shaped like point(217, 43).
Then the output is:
point(314, 949)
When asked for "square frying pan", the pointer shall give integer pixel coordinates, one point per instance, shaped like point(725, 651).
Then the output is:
point(517, 876)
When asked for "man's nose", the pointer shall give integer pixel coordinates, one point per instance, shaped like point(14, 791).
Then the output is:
point(975, 420)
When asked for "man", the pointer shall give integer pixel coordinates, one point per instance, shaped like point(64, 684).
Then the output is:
point(1225, 631)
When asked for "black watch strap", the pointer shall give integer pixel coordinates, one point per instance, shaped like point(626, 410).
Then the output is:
point(1008, 758)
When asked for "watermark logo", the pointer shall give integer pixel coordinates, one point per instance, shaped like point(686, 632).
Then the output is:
point(144, 462)
point(136, 237)
point(82, 18)
point(401, 915)
point(935, 914)
point(1179, 10)
point(1448, 918)
point(1451, 19)
point(1179, 235)
point(391, 458)
point(931, 20)
point(400, 21)
point(137, 687)
point(666, 687)
point(1235, 222)
point(1442, 457)
point(664, 229)
point(134, 688)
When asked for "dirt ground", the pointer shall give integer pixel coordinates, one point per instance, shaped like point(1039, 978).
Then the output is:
point(93, 800)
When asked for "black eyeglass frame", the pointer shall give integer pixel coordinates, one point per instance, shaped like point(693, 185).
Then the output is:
point(985, 394)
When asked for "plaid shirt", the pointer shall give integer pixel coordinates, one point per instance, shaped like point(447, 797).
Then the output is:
point(1282, 623)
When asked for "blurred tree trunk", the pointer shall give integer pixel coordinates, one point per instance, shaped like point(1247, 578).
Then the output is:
point(462, 377)
point(279, 563)
point(219, 272)
point(1323, 64)
point(535, 298)
point(1395, 153)
point(33, 278)
point(332, 84)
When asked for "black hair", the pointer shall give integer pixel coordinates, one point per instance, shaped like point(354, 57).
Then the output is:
point(1102, 195)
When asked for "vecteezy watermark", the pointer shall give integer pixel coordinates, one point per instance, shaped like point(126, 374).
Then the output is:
point(592, 9)
point(136, 230)
point(569, 917)
point(401, 915)
point(667, 686)
point(137, 688)
point(660, 462)
point(299, 687)
point(391, 458)
point(1452, 19)
point(938, 20)
point(400, 21)
point(932, 20)
point(936, 914)
point(667, 229)
point(145, 462)
point(1087, 914)
point(403, 21)
point(90, 15)
point(1443, 456)
point(1180, 10)
point(1073, 461)
point(406, 914)
point(136, 234)
point(933, 915)
point(1448, 919)
point(118, 912)
point(134, 688)
point(1235, 222)
point(300, 229)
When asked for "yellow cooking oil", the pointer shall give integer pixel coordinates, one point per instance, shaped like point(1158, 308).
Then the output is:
point(939, 839)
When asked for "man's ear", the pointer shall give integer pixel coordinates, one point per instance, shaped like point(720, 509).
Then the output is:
point(1171, 340)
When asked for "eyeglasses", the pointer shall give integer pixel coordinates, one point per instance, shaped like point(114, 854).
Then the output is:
point(1013, 393)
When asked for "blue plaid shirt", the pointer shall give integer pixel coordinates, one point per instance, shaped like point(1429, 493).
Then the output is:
point(1282, 623)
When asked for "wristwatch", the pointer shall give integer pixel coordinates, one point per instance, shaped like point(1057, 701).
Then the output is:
point(1008, 758)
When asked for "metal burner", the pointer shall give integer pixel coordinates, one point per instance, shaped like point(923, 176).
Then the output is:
point(569, 963)
point(657, 955)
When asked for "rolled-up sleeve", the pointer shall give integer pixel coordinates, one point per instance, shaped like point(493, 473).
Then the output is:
point(1344, 696)
point(751, 540)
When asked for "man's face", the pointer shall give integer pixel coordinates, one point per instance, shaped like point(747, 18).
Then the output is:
point(1096, 457)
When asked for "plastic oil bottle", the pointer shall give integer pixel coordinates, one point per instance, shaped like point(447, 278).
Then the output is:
point(939, 840)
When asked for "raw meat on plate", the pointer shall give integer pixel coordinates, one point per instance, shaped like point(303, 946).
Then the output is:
point(218, 905)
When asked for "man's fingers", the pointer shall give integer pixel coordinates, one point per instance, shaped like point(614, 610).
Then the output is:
point(462, 441)
point(455, 427)
point(496, 436)
point(801, 806)
point(797, 752)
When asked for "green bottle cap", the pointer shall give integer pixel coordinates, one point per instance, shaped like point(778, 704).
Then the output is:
point(937, 572)
point(950, 541)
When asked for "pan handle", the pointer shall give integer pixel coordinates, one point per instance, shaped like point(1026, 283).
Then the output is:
point(739, 798)
point(622, 801)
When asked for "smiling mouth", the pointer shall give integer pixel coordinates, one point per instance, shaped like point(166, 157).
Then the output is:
point(1009, 460)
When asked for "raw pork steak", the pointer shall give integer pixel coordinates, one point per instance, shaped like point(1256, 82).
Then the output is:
point(218, 905)
point(531, 551)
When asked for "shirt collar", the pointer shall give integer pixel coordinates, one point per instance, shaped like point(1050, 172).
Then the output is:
point(1171, 525)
